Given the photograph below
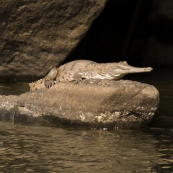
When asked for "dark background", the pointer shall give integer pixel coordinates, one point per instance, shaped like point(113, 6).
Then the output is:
point(138, 31)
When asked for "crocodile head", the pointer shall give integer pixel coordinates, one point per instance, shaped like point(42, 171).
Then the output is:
point(118, 70)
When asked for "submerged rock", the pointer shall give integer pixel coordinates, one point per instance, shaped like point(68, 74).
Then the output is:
point(92, 103)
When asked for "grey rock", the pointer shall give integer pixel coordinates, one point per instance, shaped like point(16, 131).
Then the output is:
point(8, 102)
point(37, 35)
point(8, 107)
point(11, 112)
point(93, 103)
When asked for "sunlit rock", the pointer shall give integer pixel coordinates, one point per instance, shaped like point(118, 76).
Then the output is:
point(93, 103)
point(36, 35)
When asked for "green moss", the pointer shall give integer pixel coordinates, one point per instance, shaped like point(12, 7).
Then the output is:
point(15, 109)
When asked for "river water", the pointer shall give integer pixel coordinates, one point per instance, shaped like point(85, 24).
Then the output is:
point(34, 148)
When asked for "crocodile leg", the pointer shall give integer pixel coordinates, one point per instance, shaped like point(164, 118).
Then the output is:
point(77, 77)
point(49, 83)
point(49, 78)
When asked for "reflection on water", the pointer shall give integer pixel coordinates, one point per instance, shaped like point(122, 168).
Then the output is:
point(50, 149)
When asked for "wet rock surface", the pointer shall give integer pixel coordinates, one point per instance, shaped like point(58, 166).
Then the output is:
point(92, 103)
point(36, 35)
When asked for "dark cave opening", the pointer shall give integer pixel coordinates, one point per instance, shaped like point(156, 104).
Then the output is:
point(118, 34)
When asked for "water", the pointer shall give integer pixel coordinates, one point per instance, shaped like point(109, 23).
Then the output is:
point(53, 149)
point(13, 88)
point(48, 149)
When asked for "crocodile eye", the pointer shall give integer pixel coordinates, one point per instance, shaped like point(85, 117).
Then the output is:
point(117, 67)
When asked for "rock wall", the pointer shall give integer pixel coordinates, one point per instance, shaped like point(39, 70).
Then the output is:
point(36, 35)
point(159, 46)
point(151, 39)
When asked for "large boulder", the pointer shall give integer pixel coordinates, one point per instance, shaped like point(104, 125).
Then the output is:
point(92, 103)
point(36, 35)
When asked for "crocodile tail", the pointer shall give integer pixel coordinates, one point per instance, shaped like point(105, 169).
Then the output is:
point(36, 85)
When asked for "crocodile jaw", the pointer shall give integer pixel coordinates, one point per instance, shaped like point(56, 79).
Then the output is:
point(122, 69)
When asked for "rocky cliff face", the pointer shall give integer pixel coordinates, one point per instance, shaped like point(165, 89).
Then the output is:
point(36, 35)
point(159, 46)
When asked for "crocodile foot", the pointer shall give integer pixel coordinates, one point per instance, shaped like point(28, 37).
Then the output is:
point(49, 83)
point(77, 77)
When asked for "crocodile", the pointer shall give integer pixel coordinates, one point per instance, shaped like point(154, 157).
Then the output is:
point(85, 69)
point(47, 81)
